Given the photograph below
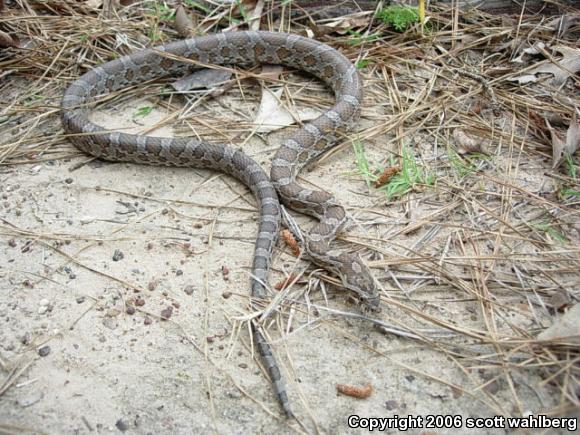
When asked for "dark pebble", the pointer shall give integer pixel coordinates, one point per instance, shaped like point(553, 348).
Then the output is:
point(139, 302)
point(68, 180)
point(118, 255)
point(391, 404)
point(179, 272)
point(147, 321)
point(12, 243)
point(130, 310)
point(122, 425)
point(226, 295)
point(166, 313)
point(44, 351)
point(189, 290)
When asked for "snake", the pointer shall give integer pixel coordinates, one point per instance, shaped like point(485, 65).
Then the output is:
point(303, 146)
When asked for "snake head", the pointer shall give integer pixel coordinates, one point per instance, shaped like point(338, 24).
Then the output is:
point(359, 280)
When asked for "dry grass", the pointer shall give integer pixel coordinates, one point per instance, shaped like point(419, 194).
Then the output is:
point(493, 236)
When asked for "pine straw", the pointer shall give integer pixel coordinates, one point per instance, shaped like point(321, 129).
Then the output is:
point(495, 243)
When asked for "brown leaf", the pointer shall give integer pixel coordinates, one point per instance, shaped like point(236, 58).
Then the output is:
point(8, 41)
point(183, 22)
point(562, 147)
point(467, 144)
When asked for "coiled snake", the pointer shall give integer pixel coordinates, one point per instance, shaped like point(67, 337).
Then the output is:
point(304, 145)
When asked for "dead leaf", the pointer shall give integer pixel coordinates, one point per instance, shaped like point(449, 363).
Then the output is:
point(560, 300)
point(349, 22)
point(271, 72)
point(566, 328)
point(561, 70)
point(562, 147)
point(273, 116)
point(533, 50)
point(467, 144)
point(183, 22)
point(341, 25)
point(205, 78)
point(563, 23)
point(94, 4)
point(8, 41)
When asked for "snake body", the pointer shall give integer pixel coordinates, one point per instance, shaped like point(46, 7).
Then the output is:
point(302, 147)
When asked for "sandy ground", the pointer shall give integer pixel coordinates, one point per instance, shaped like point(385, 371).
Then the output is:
point(94, 254)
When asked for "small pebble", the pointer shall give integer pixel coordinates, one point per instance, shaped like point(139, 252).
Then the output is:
point(166, 313)
point(179, 272)
point(130, 310)
point(118, 255)
point(80, 299)
point(139, 302)
point(391, 404)
point(189, 290)
point(12, 243)
point(44, 351)
point(147, 321)
point(226, 295)
point(243, 365)
point(68, 180)
point(122, 425)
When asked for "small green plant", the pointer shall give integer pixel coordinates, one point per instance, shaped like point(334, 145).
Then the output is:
point(143, 112)
point(362, 163)
point(464, 165)
point(162, 11)
point(550, 231)
point(399, 17)
point(570, 166)
point(358, 38)
point(408, 178)
point(155, 34)
point(197, 5)
point(362, 63)
point(568, 193)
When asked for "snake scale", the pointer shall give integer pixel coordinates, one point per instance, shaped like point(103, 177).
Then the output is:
point(302, 147)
